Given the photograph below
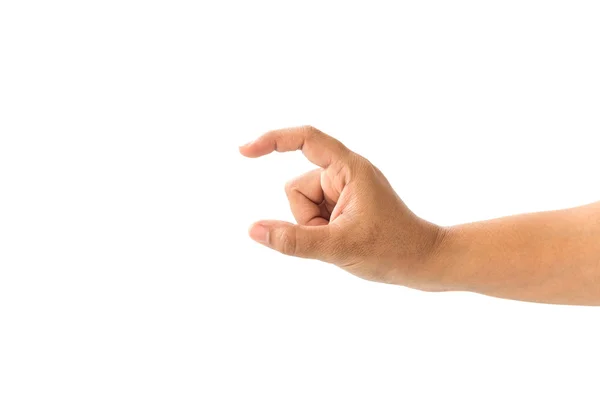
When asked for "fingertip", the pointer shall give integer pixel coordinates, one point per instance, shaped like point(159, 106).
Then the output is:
point(256, 148)
point(251, 149)
point(259, 233)
point(243, 149)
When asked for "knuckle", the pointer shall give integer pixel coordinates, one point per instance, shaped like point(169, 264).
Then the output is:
point(361, 166)
point(290, 186)
point(288, 243)
point(279, 138)
point(311, 132)
point(309, 128)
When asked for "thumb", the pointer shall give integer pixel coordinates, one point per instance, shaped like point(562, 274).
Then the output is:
point(294, 240)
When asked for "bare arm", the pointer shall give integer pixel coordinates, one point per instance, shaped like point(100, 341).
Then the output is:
point(551, 257)
point(348, 214)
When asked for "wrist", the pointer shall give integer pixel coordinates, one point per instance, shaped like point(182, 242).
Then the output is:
point(442, 265)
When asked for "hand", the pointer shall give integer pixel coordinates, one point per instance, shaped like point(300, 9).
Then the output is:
point(347, 214)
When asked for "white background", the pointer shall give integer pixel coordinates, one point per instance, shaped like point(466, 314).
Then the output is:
point(125, 269)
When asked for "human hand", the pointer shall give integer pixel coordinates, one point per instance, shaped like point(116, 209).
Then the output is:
point(347, 214)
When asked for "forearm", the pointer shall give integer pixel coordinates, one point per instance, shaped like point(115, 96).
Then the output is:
point(551, 257)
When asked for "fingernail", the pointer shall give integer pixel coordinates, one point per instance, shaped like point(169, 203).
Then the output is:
point(247, 144)
point(260, 233)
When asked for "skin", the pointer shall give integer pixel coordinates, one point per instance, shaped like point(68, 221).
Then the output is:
point(348, 214)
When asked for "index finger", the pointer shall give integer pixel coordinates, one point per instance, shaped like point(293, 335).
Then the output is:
point(317, 147)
